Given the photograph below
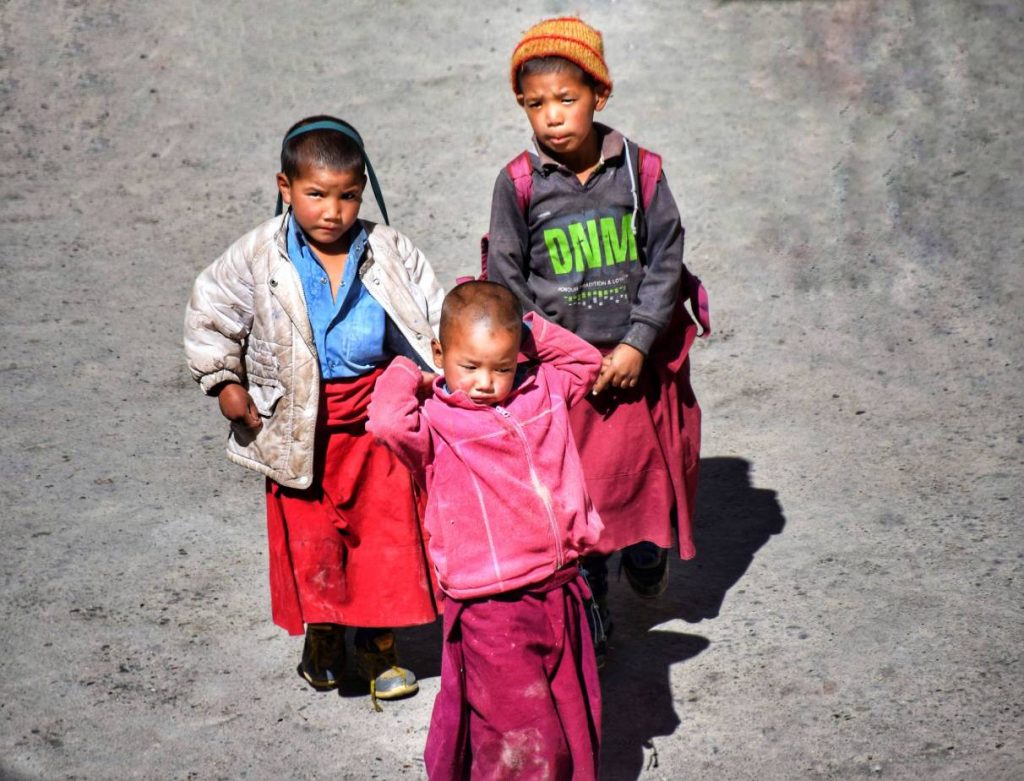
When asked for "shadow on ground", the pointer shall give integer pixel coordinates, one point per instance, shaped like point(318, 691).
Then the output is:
point(733, 521)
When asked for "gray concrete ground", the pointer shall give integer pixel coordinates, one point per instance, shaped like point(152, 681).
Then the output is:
point(850, 176)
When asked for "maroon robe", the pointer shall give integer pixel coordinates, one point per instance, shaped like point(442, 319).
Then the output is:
point(640, 449)
point(519, 696)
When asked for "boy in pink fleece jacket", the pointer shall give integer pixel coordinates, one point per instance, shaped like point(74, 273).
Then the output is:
point(508, 517)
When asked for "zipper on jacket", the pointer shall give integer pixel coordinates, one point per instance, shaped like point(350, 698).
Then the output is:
point(538, 487)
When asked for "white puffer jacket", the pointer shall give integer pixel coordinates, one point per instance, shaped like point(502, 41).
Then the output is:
point(247, 322)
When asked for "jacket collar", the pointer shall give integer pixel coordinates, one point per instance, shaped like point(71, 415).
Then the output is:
point(287, 287)
point(281, 233)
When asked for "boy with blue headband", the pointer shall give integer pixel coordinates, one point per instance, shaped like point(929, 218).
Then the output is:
point(290, 329)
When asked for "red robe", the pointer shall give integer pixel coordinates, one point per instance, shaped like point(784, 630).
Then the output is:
point(349, 549)
point(640, 449)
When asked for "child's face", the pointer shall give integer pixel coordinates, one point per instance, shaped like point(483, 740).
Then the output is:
point(479, 360)
point(325, 203)
point(560, 107)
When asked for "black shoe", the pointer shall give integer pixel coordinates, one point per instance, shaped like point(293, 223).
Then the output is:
point(646, 567)
point(323, 656)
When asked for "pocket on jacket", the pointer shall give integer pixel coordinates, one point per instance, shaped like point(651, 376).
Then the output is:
point(265, 394)
point(261, 353)
point(263, 369)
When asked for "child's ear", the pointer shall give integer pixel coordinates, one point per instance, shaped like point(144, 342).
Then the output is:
point(435, 347)
point(521, 99)
point(285, 188)
point(603, 93)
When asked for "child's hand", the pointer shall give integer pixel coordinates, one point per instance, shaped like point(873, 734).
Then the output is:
point(426, 382)
point(237, 406)
point(620, 368)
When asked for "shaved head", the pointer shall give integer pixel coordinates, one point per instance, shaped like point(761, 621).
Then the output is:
point(480, 303)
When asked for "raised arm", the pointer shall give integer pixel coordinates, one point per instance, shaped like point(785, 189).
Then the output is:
point(396, 417)
point(575, 361)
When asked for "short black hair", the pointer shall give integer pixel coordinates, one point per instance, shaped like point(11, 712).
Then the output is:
point(480, 302)
point(323, 148)
point(552, 64)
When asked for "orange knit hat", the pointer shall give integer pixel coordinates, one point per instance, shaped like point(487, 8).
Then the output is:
point(567, 37)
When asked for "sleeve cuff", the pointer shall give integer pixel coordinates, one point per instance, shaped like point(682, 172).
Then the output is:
point(209, 382)
point(641, 336)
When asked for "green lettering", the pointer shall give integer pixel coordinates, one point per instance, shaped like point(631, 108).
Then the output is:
point(582, 248)
point(627, 231)
point(594, 243)
point(558, 249)
point(614, 248)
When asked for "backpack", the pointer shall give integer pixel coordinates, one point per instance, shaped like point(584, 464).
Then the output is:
point(520, 171)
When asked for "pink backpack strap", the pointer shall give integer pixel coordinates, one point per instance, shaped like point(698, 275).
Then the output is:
point(520, 171)
point(650, 173)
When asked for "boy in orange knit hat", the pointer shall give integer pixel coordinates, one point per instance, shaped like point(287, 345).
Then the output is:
point(587, 234)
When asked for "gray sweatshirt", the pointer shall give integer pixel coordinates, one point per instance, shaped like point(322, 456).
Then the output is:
point(574, 257)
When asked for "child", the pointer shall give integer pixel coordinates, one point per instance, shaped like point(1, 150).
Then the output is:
point(582, 251)
point(507, 517)
point(290, 329)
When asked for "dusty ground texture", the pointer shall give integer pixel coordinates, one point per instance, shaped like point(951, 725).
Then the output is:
point(850, 177)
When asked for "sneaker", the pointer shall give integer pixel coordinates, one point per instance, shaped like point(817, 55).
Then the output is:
point(323, 656)
point(377, 662)
point(646, 567)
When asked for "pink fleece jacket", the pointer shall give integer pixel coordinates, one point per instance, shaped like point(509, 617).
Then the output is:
point(507, 505)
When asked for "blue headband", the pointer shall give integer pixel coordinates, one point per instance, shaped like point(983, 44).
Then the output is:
point(351, 132)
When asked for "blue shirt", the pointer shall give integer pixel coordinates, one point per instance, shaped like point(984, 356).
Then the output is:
point(348, 331)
